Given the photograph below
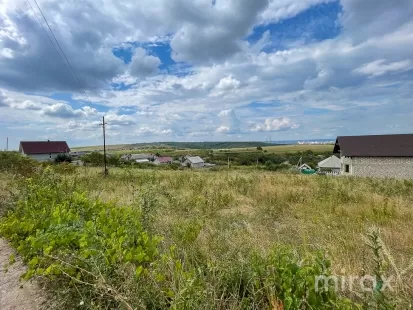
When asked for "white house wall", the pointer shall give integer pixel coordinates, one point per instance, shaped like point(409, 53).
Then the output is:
point(197, 165)
point(43, 157)
point(393, 167)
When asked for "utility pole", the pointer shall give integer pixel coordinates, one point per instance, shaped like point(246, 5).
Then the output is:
point(104, 145)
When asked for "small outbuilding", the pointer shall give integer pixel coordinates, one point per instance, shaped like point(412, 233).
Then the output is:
point(304, 167)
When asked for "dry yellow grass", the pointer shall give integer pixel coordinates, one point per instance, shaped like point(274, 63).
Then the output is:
point(219, 214)
point(247, 209)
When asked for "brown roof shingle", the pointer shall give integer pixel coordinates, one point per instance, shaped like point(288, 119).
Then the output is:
point(399, 145)
point(44, 147)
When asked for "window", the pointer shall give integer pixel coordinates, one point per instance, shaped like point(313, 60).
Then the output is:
point(347, 168)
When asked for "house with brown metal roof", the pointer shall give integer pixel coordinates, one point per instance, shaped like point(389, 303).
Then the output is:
point(376, 155)
point(43, 150)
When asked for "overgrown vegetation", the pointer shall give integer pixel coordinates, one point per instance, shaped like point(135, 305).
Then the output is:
point(271, 161)
point(63, 158)
point(96, 159)
point(13, 162)
point(239, 239)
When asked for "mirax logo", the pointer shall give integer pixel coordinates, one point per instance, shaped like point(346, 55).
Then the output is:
point(366, 283)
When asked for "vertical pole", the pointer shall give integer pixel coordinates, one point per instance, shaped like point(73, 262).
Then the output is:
point(104, 145)
point(228, 162)
point(7, 145)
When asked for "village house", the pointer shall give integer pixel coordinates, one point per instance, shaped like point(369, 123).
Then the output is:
point(193, 162)
point(43, 150)
point(331, 165)
point(137, 157)
point(376, 156)
point(163, 160)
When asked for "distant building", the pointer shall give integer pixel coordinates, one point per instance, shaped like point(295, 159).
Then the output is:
point(376, 156)
point(135, 157)
point(43, 150)
point(330, 165)
point(304, 167)
point(142, 161)
point(194, 162)
point(78, 154)
point(163, 160)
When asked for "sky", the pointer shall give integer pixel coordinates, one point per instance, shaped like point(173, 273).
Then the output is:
point(204, 70)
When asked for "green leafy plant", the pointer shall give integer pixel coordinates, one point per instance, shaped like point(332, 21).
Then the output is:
point(64, 236)
point(63, 158)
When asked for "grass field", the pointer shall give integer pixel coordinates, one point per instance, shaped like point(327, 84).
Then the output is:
point(281, 149)
point(175, 145)
point(216, 219)
point(277, 149)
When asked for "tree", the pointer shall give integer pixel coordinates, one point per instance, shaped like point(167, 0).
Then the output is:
point(259, 148)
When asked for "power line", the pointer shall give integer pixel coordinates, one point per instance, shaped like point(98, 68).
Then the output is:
point(68, 65)
point(47, 34)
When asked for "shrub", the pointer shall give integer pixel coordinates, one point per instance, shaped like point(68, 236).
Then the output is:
point(14, 162)
point(63, 158)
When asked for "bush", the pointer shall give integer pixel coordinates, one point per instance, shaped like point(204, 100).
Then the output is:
point(14, 162)
point(63, 158)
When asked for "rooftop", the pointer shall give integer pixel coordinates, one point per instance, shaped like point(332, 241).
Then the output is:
point(164, 159)
point(195, 159)
point(331, 162)
point(400, 145)
point(44, 147)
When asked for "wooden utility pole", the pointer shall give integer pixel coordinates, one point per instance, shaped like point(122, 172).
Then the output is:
point(104, 145)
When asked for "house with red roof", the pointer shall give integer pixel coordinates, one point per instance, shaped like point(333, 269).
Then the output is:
point(43, 150)
point(162, 160)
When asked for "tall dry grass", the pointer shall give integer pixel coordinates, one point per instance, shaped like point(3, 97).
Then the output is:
point(218, 217)
point(217, 214)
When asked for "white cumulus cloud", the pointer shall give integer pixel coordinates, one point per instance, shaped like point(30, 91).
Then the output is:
point(275, 124)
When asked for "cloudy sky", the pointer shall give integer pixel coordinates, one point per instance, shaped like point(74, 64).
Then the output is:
point(205, 70)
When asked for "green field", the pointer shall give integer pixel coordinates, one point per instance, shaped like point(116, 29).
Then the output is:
point(226, 239)
point(280, 149)
point(183, 149)
point(173, 145)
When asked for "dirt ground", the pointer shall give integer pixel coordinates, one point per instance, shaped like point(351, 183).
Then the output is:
point(16, 294)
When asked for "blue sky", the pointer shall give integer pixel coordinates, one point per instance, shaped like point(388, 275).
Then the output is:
point(182, 70)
